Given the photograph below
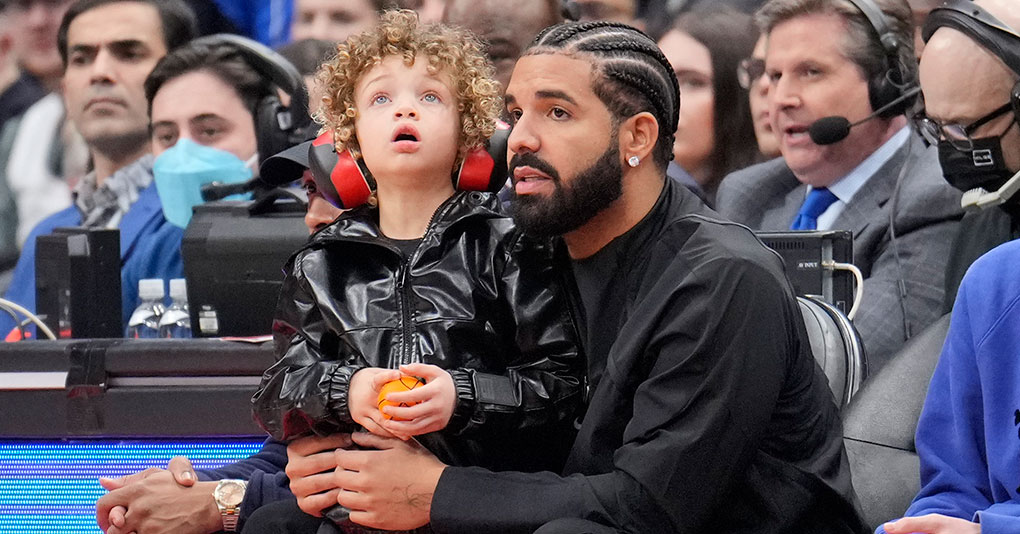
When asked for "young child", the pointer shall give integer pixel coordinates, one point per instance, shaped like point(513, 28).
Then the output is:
point(428, 282)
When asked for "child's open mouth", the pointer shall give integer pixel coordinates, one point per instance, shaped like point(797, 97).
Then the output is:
point(406, 138)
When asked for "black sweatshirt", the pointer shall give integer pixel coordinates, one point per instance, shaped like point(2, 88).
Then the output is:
point(707, 412)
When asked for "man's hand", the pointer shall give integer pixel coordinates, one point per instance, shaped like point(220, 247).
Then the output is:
point(932, 524)
point(363, 397)
point(157, 504)
point(310, 465)
point(436, 401)
point(181, 469)
point(390, 488)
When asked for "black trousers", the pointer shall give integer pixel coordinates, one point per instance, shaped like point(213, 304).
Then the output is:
point(283, 517)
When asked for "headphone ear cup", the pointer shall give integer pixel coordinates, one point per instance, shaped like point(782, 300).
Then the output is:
point(484, 169)
point(881, 91)
point(352, 181)
point(343, 181)
point(271, 138)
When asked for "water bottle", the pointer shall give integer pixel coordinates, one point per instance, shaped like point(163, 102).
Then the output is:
point(144, 322)
point(176, 320)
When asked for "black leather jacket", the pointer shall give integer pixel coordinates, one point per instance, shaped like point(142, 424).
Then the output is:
point(476, 297)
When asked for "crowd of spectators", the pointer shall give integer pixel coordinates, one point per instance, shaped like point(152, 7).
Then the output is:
point(933, 103)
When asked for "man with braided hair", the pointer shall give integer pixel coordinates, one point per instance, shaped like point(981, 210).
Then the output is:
point(706, 411)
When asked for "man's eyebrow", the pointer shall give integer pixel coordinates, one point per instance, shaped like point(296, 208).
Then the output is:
point(127, 44)
point(509, 99)
point(205, 117)
point(82, 48)
point(555, 94)
point(162, 124)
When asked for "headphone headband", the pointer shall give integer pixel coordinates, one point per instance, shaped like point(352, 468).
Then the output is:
point(897, 78)
point(980, 25)
point(889, 41)
point(276, 126)
point(269, 64)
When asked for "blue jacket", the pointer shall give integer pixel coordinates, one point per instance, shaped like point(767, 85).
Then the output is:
point(264, 471)
point(150, 247)
point(967, 437)
point(266, 21)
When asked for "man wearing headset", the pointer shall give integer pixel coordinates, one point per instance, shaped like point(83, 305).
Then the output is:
point(196, 140)
point(967, 436)
point(978, 153)
point(825, 58)
point(108, 48)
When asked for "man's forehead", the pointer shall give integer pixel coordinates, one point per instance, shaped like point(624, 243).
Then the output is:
point(541, 75)
point(960, 79)
point(119, 21)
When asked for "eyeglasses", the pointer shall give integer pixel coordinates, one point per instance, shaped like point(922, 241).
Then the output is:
point(749, 70)
point(956, 134)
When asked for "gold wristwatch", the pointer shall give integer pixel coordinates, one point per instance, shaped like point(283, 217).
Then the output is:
point(228, 495)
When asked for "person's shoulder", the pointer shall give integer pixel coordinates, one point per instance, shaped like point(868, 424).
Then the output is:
point(990, 290)
point(924, 186)
point(995, 270)
point(756, 173)
point(744, 189)
point(703, 240)
point(69, 216)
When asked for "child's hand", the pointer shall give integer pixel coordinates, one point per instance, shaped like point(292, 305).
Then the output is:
point(435, 400)
point(363, 397)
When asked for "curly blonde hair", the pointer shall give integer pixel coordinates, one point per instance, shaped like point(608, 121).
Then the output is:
point(453, 52)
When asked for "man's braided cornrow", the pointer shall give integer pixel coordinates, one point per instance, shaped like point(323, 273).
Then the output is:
point(631, 73)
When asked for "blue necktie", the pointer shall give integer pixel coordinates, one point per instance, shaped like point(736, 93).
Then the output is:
point(817, 201)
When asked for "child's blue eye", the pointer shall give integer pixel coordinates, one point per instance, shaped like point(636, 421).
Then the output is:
point(381, 99)
point(430, 98)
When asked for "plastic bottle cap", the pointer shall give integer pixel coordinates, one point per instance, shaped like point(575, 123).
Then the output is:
point(178, 289)
point(150, 288)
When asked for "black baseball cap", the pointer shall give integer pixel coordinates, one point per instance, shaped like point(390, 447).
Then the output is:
point(285, 167)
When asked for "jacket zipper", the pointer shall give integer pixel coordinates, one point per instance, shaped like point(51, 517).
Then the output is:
point(406, 351)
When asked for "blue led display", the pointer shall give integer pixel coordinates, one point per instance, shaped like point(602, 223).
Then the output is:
point(52, 486)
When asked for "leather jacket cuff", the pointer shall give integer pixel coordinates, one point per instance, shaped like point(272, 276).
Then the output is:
point(464, 385)
point(339, 386)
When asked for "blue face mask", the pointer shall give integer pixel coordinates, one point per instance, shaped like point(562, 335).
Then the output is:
point(184, 168)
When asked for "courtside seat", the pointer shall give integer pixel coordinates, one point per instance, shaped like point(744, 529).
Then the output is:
point(879, 427)
point(837, 347)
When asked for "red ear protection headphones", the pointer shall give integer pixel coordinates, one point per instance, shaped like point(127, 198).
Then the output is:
point(346, 182)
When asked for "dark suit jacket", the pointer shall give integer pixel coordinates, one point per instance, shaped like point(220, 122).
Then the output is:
point(767, 196)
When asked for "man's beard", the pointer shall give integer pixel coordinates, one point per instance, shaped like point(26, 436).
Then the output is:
point(570, 205)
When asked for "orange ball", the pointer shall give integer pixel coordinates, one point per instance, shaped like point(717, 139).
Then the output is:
point(404, 383)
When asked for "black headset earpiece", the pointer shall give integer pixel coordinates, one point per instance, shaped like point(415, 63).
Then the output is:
point(892, 82)
point(277, 127)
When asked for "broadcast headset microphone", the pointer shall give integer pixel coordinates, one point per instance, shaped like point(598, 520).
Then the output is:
point(829, 130)
point(218, 190)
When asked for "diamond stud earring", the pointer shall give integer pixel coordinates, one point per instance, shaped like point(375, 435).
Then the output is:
point(633, 161)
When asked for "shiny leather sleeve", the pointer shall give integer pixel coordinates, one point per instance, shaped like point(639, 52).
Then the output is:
point(543, 387)
point(306, 389)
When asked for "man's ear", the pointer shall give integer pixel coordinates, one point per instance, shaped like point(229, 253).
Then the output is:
point(638, 135)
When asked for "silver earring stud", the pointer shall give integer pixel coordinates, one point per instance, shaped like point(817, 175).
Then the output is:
point(633, 161)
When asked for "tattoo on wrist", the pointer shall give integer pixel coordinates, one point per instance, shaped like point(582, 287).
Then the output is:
point(420, 500)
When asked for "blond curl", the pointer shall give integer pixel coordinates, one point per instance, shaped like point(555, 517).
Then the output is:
point(453, 52)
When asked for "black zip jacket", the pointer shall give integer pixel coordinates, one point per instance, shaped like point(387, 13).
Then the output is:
point(476, 297)
point(708, 413)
